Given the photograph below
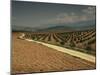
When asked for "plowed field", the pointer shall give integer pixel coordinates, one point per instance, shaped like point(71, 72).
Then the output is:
point(30, 57)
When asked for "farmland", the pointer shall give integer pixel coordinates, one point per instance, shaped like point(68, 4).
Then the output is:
point(84, 41)
point(31, 57)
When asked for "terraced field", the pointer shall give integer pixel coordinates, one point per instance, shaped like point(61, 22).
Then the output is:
point(31, 57)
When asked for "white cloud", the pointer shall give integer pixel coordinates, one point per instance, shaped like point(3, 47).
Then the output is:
point(89, 10)
point(87, 14)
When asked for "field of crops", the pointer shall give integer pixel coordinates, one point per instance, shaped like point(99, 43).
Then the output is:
point(31, 57)
point(84, 41)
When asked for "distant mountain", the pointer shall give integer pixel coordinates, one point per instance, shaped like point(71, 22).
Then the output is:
point(22, 28)
point(56, 29)
point(85, 25)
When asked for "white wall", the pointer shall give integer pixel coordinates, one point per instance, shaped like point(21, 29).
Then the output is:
point(5, 36)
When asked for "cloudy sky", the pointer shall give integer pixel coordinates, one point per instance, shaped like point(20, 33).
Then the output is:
point(35, 14)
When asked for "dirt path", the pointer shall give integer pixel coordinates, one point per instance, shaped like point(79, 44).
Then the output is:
point(69, 51)
point(30, 57)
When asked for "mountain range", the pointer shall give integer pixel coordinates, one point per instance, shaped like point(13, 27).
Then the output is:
point(57, 27)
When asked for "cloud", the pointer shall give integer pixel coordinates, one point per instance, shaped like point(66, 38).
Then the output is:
point(89, 10)
point(90, 13)
point(72, 17)
point(67, 17)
